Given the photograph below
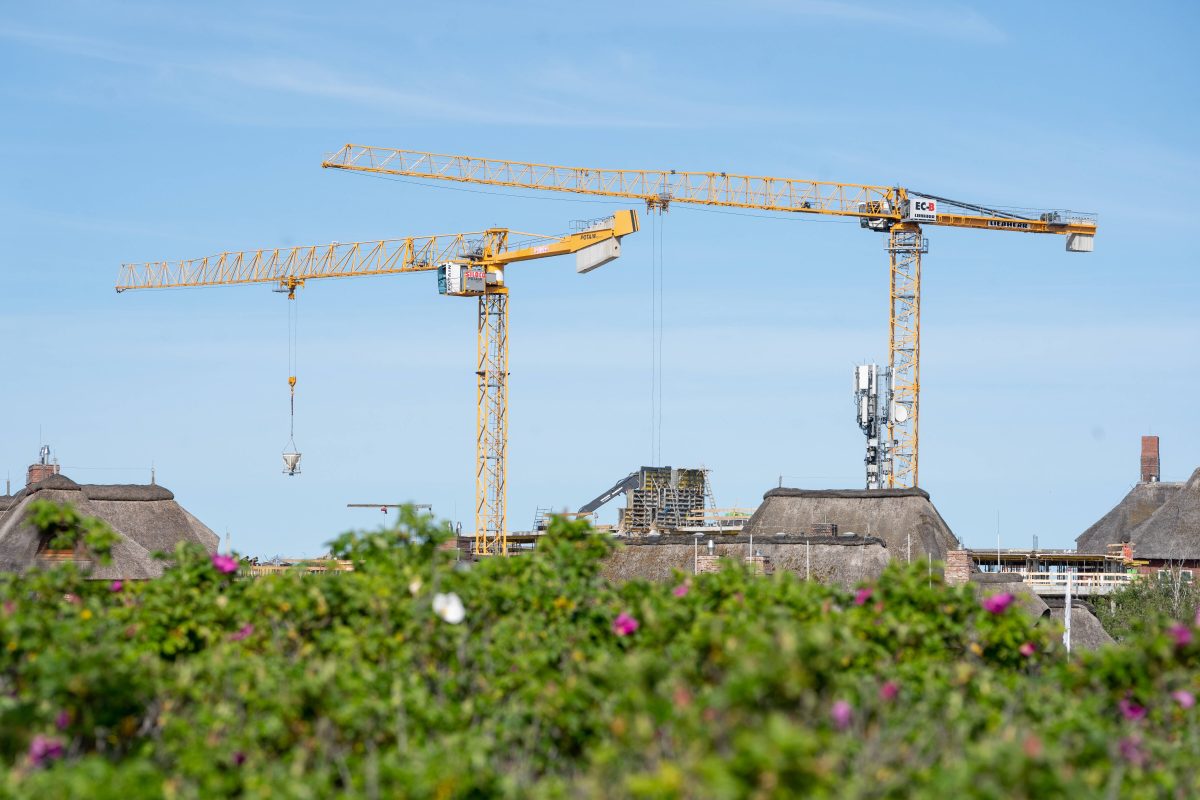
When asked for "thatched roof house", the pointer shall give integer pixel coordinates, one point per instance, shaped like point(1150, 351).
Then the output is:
point(1161, 520)
point(900, 517)
point(146, 517)
point(1115, 527)
point(840, 560)
point(1172, 533)
point(1086, 631)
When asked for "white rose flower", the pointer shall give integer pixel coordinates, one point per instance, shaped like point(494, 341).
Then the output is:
point(414, 586)
point(449, 607)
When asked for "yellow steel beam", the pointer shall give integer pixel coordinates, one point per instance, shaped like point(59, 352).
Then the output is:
point(298, 264)
point(657, 188)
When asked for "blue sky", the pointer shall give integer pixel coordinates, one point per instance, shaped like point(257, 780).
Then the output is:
point(147, 131)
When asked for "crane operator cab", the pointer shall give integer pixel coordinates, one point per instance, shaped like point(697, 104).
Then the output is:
point(881, 224)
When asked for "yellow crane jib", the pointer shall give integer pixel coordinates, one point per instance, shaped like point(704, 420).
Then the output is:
point(468, 264)
point(898, 211)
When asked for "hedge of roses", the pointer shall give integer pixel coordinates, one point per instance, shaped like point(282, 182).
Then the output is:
point(532, 676)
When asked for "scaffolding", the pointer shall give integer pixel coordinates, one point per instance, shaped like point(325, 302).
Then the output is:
point(665, 499)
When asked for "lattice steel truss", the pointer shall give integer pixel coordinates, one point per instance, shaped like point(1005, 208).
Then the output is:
point(894, 209)
point(491, 427)
point(905, 246)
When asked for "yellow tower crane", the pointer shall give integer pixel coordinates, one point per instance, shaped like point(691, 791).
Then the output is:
point(468, 265)
point(895, 210)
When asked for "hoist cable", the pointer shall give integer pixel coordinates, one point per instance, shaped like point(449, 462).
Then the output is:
point(661, 327)
point(653, 336)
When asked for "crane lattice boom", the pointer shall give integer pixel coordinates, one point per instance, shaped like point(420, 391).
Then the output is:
point(660, 188)
point(486, 253)
point(895, 210)
point(298, 264)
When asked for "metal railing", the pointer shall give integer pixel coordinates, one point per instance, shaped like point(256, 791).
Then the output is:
point(1080, 580)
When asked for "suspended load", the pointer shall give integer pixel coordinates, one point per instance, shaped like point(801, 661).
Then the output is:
point(291, 457)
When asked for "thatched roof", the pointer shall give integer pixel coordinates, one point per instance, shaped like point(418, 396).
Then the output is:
point(990, 583)
point(840, 560)
point(1173, 531)
point(1086, 631)
point(1117, 525)
point(893, 515)
point(146, 518)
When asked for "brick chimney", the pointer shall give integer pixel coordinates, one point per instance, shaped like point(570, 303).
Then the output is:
point(1150, 466)
point(45, 467)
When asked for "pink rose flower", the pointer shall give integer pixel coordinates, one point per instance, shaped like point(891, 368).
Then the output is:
point(681, 590)
point(841, 714)
point(224, 564)
point(116, 586)
point(1131, 750)
point(1131, 710)
point(43, 749)
point(1185, 698)
point(862, 596)
point(889, 690)
point(1027, 649)
point(624, 624)
point(242, 632)
point(1180, 634)
point(998, 603)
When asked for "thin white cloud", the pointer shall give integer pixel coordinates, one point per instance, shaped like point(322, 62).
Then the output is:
point(948, 21)
point(309, 78)
point(80, 46)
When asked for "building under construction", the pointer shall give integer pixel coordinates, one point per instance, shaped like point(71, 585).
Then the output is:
point(657, 499)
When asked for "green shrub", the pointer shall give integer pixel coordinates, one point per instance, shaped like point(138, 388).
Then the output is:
point(556, 683)
point(1147, 602)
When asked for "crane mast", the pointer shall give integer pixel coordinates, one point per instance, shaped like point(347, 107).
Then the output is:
point(894, 210)
point(468, 265)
